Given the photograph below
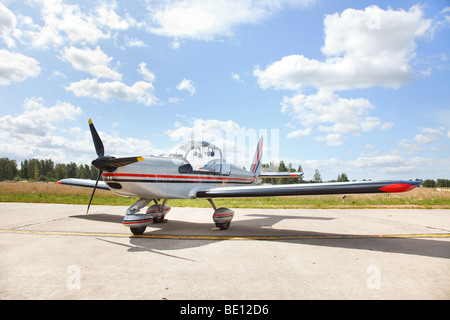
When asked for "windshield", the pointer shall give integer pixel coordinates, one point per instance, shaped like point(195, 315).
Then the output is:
point(202, 155)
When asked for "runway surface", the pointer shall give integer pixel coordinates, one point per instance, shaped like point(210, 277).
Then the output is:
point(54, 251)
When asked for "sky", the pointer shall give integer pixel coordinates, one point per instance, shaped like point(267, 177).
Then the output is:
point(340, 86)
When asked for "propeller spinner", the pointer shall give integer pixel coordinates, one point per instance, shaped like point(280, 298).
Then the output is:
point(105, 163)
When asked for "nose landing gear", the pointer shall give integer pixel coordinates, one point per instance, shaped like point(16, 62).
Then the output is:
point(158, 211)
point(139, 222)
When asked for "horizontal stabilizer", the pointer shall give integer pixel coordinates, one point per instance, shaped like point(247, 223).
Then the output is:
point(281, 174)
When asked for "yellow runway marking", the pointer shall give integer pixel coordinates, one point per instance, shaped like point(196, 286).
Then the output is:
point(210, 237)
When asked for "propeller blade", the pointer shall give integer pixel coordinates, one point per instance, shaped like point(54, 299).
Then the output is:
point(110, 164)
point(97, 141)
point(93, 191)
point(120, 162)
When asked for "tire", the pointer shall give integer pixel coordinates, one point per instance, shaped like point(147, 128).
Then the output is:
point(138, 231)
point(223, 226)
point(158, 219)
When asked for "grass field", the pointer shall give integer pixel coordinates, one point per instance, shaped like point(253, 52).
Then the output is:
point(35, 192)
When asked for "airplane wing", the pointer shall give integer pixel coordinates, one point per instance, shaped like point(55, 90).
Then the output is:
point(84, 183)
point(310, 189)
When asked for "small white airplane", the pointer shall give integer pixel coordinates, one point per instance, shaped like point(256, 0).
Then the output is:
point(198, 169)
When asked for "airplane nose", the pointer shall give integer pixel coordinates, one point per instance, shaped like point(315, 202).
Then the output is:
point(102, 164)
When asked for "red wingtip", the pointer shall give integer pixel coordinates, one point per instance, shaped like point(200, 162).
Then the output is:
point(398, 187)
point(59, 182)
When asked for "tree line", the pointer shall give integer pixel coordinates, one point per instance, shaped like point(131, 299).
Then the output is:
point(438, 183)
point(47, 171)
point(44, 170)
point(282, 167)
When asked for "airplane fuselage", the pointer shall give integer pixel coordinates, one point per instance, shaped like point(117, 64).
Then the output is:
point(172, 178)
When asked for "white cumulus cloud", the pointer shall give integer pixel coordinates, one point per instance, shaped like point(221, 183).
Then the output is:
point(94, 62)
point(8, 22)
point(140, 91)
point(148, 75)
point(65, 23)
point(425, 139)
point(15, 67)
point(364, 48)
point(37, 120)
point(331, 113)
point(210, 19)
point(187, 85)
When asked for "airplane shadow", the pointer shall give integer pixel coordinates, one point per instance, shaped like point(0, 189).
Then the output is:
point(103, 217)
point(261, 227)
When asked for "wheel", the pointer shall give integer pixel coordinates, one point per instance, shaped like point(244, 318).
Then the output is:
point(158, 212)
point(222, 218)
point(158, 219)
point(223, 225)
point(138, 231)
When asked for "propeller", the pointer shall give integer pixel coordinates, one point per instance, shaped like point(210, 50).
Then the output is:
point(105, 163)
point(97, 141)
point(95, 187)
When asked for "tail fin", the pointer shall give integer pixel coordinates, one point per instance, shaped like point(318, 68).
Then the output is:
point(255, 167)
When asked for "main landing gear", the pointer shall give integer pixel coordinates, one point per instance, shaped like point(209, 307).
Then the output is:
point(156, 212)
point(222, 217)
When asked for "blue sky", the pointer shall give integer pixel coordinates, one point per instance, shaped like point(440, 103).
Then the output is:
point(342, 86)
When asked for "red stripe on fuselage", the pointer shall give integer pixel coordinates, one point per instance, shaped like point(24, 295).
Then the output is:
point(138, 175)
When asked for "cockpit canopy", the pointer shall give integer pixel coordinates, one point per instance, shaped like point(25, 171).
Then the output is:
point(202, 157)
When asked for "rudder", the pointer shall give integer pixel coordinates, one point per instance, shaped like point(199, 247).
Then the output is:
point(255, 167)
